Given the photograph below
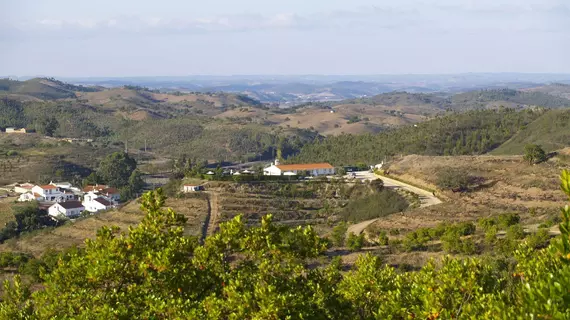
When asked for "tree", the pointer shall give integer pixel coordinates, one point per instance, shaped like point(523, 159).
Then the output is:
point(47, 126)
point(453, 179)
point(339, 234)
point(355, 242)
point(116, 169)
point(534, 154)
point(92, 179)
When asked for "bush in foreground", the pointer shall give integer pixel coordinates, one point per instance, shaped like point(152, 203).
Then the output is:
point(155, 272)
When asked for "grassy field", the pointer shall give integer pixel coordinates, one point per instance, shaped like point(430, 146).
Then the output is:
point(75, 233)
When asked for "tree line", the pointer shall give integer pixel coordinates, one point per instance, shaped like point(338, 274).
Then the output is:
point(472, 132)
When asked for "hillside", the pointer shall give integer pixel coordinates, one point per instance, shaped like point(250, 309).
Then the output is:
point(473, 132)
point(556, 89)
point(42, 88)
point(551, 131)
point(505, 97)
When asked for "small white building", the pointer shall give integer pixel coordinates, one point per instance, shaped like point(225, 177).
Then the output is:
point(104, 190)
point(23, 188)
point(94, 203)
point(313, 169)
point(14, 130)
point(30, 196)
point(67, 209)
point(191, 188)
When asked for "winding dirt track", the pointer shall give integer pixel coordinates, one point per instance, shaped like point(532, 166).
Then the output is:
point(427, 198)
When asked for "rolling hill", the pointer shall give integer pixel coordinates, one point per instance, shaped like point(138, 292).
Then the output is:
point(551, 131)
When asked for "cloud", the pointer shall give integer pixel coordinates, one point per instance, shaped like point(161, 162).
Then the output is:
point(479, 16)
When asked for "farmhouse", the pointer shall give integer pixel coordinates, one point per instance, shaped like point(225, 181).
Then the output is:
point(50, 193)
point(191, 188)
point(14, 130)
point(68, 209)
point(104, 190)
point(313, 169)
point(94, 203)
point(30, 196)
point(23, 188)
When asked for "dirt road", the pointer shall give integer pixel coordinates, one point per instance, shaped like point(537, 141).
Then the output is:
point(426, 198)
point(213, 217)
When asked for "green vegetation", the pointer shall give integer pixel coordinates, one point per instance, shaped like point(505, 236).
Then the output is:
point(454, 179)
point(534, 154)
point(376, 205)
point(264, 273)
point(473, 132)
point(551, 131)
point(118, 170)
point(27, 217)
point(355, 242)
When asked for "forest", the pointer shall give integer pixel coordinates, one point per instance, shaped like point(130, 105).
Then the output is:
point(471, 132)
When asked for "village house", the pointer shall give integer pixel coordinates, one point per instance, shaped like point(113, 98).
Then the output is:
point(94, 202)
point(30, 196)
point(104, 190)
point(50, 193)
point(191, 188)
point(313, 169)
point(67, 209)
point(14, 130)
point(23, 188)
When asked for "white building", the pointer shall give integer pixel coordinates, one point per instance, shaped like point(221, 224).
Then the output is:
point(104, 190)
point(23, 188)
point(313, 169)
point(191, 188)
point(67, 209)
point(94, 203)
point(30, 196)
point(51, 193)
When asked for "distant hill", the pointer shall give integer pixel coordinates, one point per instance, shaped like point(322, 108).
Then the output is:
point(506, 97)
point(472, 132)
point(42, 88)
point(556, 89)
point(551, 131)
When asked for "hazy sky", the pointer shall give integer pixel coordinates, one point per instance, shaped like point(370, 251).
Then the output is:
point(223, 37)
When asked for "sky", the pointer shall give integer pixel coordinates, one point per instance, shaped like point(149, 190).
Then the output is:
point(115, 38)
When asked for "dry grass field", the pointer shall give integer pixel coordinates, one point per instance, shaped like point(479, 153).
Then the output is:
point(75, 233)
point(507, 185)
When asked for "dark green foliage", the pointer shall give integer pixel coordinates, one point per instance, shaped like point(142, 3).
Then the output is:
point(534, 154)
point(355, 242)
point(376, 205)
point(116, 169)
point(551, 131)
point(382, 238)
point(515, 232)
point(502, 221)
point(27, 217)
point(339, 234)
point(473, 132)
point(454, 179)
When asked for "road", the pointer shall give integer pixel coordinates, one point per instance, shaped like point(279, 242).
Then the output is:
point(426, 198)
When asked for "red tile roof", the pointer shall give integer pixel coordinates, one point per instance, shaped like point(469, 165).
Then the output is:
point(304, 166)
point(95, 188)
point(48, 186)
point(103, 201)
point(110, 191)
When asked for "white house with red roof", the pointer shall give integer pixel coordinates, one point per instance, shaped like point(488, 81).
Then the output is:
point(104, 190)
point(313, 169)
point(94, 201)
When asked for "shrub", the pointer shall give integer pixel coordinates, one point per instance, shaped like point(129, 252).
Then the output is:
point(515, 232)
point(534, 154)
point(454, 179)
point(539, 239)
point(382, 239)
point(506, 220)
point(355, 242)
point(339, 234)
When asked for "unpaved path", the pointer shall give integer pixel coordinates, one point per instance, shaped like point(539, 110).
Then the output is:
point(426, 198)
point(214, 213)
